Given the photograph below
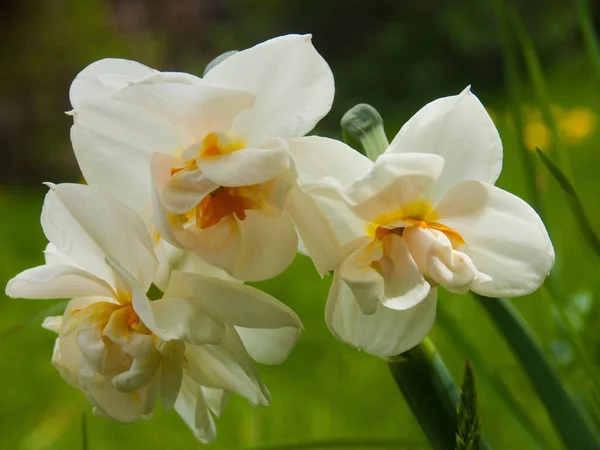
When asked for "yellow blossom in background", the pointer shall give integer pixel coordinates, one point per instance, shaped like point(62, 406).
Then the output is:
point(574, 126)
point(577, 125)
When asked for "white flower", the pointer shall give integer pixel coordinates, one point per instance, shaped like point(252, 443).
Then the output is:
point(212, 153)
point(426, 213)
point(191, 347)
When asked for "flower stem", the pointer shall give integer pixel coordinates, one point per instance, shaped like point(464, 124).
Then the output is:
point(567, 418)
point(430, 392)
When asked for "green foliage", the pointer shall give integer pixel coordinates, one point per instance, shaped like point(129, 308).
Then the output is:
point(468, 433)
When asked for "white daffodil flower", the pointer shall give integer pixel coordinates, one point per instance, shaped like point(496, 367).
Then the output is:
point(210, 156)
point(426, 213)
point(192, 347)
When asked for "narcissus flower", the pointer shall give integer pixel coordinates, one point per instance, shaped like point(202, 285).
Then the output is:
point(192, 347)
point(212, 153)
point(426, 213)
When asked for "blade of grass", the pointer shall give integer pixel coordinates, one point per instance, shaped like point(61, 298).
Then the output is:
point(84, 436)
point(489, 376)
point(514, 93)
point(538, 79)
point(575, 203)
point(568, 419)
point(590, 36)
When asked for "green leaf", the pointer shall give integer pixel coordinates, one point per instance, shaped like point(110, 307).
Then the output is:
point(575, 203)
point(362, 123)
point(468, 433)
point(569, 421)
point(430, 392)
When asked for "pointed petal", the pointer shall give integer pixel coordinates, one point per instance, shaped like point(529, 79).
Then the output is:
point(293, 84)
point(269, 346)
point(104, 77)
point(192, 408)
point(89, 225)
point(459, 129)
point(57, 281)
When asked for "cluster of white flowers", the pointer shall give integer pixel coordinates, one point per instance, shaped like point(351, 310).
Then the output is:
point(197, 185)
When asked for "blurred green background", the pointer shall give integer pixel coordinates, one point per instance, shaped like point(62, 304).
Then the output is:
point(395, 55)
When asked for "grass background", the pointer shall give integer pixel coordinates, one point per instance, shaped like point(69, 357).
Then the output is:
point(327, 390)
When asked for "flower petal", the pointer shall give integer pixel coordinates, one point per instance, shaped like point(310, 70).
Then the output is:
point(320, 159)
point(293, 84)
point(269, 346)
point(404, 285)
point(192, 408)
point(505, 238)
point(113, 143)
point(247, 166)
point(57, 281)
point(359, 274)
point(89, 225)
point(459, 129)
point(318, 237)
point(104, 77)
point(188, 105)
point(232, 303)
point(385, 333)
point(185, 189)
point(227, 366)
point(395, 182)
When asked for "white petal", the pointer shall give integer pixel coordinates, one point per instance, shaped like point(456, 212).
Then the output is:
point(171, 375)
point(320, 159)
point(113, 142)
point(432, 251)
point(317, 234)
point(104, 77)
point(227, 366)
point(89, 225)
point(404, 285)
point(231, 302)
point(292, 82)
point(257, 248)
point(386, 333)
point(57, 281)
point(395, 182)
point(269, 346)
point(247, 166)
point(505, 238)
point(358, 272)
point(185, 189)
point(52, 323)
point(459, 129)
point(215, 399)
point(192, 408)
point(191, 108)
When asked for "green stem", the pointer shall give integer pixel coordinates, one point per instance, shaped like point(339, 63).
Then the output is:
point(567, 418)
point(430, 392)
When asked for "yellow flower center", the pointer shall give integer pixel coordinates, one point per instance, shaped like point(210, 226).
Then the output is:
point(224, 201)
point(419, 213)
